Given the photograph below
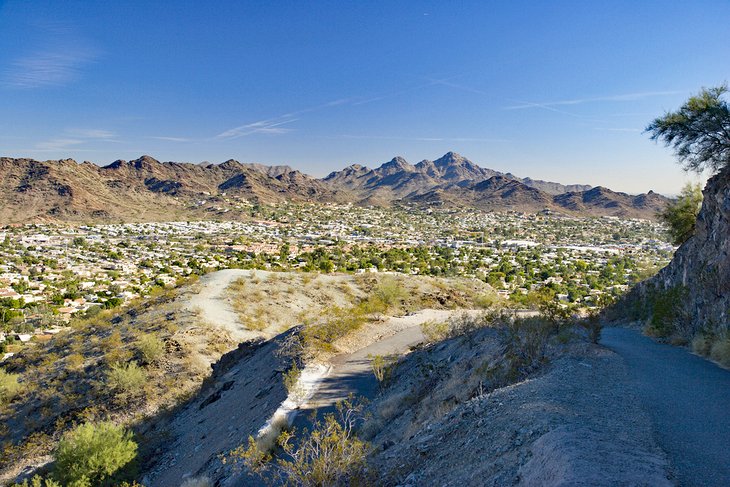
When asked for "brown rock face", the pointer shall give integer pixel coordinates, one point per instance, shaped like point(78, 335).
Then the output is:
point(702, 264)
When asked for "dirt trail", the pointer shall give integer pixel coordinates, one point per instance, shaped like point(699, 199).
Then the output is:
point(352, 372)
point(688, 399)
point(214, 305)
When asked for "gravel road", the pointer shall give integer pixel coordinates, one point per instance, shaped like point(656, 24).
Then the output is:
point(688, 400)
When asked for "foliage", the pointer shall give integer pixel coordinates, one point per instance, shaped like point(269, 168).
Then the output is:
point(524, 342)
point(93, 454)
point(291, 382)
point(38, 481)
point(592, 324)
point(388, 292)
point(720, 352)
point(382, 367)
point(435, 331)
point(127, 378)
point(681, 215)
point(699, 132)
point(330, 454)
point(150, 347)
point(667, 311)
point(9, 386)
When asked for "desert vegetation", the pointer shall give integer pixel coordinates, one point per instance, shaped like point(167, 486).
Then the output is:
point(330, 453)
point(111, 368)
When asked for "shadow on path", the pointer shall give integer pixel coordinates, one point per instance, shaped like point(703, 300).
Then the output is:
point(688, 399)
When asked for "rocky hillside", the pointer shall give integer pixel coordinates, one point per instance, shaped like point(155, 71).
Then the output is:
point(145, 189)
point(690, 298)
point(141, 190)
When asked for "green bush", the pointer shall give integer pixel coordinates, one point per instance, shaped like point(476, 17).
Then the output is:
point(667, 311)
point(150, 348)
point(94, 455)
point(389, 292)
point(126, 378)
point(681, 215)
point(435, 331)
point(9, 386)
point(330, 454)
point(38, 481)
point(335, 323)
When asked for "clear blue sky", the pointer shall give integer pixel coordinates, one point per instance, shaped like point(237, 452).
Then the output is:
point(549, 89)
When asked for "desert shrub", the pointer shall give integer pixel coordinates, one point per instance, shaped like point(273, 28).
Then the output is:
point(667, 311)
point(330, 454)
point(75, 361)
point(9, 386)
point(292, 385)
point(486, 300)
point(524, 342)
point(150, 348)
point(592, 325)
point(720, 352)
point(383, 367)
point(335, 322)
point(127, 378)
point(94, 454)
point(435, 331)
point(389, 292)
point(701, 345)
point(38, 481)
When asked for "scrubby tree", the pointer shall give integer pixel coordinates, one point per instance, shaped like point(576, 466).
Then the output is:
point(93, 454)
point(699, 131)
point(681, 215)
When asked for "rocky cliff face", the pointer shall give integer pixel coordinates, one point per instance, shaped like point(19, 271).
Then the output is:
point(698, 277)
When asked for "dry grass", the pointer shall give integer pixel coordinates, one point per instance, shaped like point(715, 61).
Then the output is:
point(720, 352)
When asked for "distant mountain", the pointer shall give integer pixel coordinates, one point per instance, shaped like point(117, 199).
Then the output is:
point(146, 189)
point(399, 179)
point(143, 189)
point(554, 188)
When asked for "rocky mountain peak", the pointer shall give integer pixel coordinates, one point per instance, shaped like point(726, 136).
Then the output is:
point(395, 165)
point(145, 162)
point(451, 158)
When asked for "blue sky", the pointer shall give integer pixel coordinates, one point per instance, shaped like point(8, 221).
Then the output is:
point(555, 90)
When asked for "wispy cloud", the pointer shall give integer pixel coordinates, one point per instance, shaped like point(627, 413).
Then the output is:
point(579, 101)
point(419, 139)
point(170, 139)
point(58, 144)
point(74, 137)
point(92, 133)
point(617, 129)
point(57, 60)
point(272, 126)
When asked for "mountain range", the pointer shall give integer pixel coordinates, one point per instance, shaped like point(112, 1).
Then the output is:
point(145, 189)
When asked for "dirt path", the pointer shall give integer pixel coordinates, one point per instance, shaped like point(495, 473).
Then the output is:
point(352, 373)
point(688, 399)
point(215, 306)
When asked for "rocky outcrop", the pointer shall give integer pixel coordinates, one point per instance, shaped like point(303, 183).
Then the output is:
point(699, 274)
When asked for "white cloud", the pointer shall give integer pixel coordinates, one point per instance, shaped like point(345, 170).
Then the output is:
point(57, 60)
point(273, 126)
point(58, 144)
point(92, 133)
point(170, 139)
point(579, 101)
